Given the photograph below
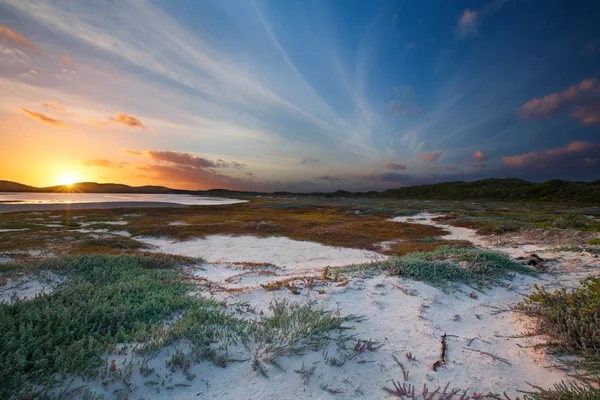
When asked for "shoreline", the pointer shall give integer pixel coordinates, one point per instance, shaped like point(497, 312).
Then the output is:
point(9, 208)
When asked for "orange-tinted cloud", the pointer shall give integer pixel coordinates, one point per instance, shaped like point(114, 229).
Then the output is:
point(133, 152)
point(467, 24)
point(10, 36)
point(192, 160)
point(128, 120)
point(53, 106)
point(574, 152)
point(67, 60)
point(588, 114)
point(478, 155)
point(181, 159)
point(584, 94)
point(45, 119)
point(430, 156)
point(102, 163)
point(394, 166)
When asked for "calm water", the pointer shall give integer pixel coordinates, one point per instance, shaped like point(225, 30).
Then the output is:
point(62, 198)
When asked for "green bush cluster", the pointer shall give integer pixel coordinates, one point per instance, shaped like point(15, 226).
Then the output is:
point(454, 264)
point(570, 318)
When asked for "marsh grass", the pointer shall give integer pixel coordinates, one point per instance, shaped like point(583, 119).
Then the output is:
point(454, 264)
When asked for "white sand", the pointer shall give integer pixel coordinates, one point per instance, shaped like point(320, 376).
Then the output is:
point(404, 315)
point(26, 288)
point(279, 251)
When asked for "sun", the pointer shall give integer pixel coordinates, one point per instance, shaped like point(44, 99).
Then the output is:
point(68, 179)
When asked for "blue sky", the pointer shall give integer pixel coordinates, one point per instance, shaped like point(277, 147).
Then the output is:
point(301, 95)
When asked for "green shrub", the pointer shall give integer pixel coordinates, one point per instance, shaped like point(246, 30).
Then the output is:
point(571, 319)
point(454, 264)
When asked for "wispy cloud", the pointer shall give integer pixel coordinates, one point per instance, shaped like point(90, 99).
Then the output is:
point(330, 178)
point(67, 60)
point(467, 24)
point(479, 155)
point(430, 156)
point(53, 106)
point(45, 119)
point(470, 20)
point(312, 160)
point(134, 152)
point(102, 163)
point(394, 166)
point(12, 37)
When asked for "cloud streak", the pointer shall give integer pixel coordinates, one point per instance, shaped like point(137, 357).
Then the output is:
point(12, 37)
point(45, 119)
point(102, 163)
point(312, 160)
point(430, 156)
point(394, 166)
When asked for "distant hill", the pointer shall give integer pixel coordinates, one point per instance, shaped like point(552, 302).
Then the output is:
point(92, 187)
point(510, 189)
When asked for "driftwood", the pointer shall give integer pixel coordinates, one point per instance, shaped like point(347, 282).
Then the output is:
point(442, 359)
point(587, 253)
point(495, 357)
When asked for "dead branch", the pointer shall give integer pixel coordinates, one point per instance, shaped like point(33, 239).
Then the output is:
point(495, 357)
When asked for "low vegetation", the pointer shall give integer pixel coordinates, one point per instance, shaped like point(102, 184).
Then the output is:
point(570, 319)
point(110, 301)
point(454, 264)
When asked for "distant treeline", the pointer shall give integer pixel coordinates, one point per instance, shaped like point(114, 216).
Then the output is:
point(509, 189)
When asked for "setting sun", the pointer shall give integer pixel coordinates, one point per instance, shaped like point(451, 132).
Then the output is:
point(68, 179)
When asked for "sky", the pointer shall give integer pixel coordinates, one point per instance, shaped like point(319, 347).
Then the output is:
point(298, 95)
